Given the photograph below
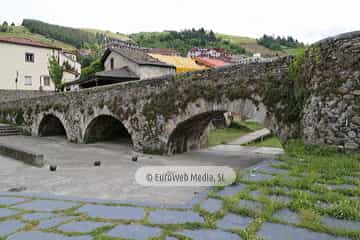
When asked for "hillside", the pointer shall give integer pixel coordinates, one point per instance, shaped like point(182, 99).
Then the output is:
point(184, 40)
point(250, 45)
point(109, 34)
point(73, 38)
point(22, 32)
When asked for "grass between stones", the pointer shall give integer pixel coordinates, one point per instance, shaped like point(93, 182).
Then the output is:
point(317, 182)
point(309, 173)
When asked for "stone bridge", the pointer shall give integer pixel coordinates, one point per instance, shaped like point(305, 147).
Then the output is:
point(314, 96)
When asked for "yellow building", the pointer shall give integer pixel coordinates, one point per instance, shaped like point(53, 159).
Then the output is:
point(182, 64)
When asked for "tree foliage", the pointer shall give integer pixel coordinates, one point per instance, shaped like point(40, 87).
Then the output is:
point(4, 27)
point(95, 66)
point(76, 37)
point(56, 72)
point(277, 43)
point(184, 40)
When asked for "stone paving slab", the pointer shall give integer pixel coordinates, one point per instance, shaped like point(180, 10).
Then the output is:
point(37, 216)
point(82, 227)
point(232, 221)
point(7, 201)
point(45, 236)
point(170, 238)
point(211, 205)
point(323, 205)
point(256, 177)
point(46, 205)
point(4, 212)
point(174, 217)
point(250, 205)
point(341, 187)
point(134, 232)
point(351, 178)
point(280, 198)
point(231, 190)
point(9, 227)
point(273, 231)
point(209, 235)
point(271, 170)
point(341, 224)
point(286, 215)
point(44, 224)
point(255, 194)
point(116, 213)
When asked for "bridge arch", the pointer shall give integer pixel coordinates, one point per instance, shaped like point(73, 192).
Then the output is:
point(51, 125)
point(189, 131)
point(106, 127)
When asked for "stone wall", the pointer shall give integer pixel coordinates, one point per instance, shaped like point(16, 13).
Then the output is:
point(151, 110)
point(314, 96)
point(332, 112)
point(13, 95)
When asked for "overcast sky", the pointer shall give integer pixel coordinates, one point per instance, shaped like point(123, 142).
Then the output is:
point(307, 20)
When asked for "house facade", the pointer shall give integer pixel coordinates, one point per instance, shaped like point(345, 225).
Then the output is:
point(139, 62)
point(217, 53)
point(24, 64)
point(124, 65)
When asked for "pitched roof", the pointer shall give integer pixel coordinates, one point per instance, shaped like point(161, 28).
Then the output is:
point(26, 42)
point(210, 62)
point(135, 55)
point(183, 64)
point(124, 72)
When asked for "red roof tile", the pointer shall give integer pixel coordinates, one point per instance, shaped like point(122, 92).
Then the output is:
point(26, 41)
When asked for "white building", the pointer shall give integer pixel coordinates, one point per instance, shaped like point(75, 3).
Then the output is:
point(24, 64)
point(123, 65)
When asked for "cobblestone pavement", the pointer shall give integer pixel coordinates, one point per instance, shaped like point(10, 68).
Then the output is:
point(256, 208)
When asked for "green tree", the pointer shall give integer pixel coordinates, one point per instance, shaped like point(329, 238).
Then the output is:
point(56, 72)
point(4, 27)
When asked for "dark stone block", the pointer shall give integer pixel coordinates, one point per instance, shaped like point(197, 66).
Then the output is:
point(35, 235)
point(118, 213)
point(7, 201)
point(251, 205)
point(205, 234)
point(81, 227)
point(341, 224)
point(37, 216)
point(10, 227)
point(174, 217)
point(288, 216)
point(135, 232)
point(44, 224)
point(211, 205)
point(272, 231)
point(232, 221)
point(47, 205)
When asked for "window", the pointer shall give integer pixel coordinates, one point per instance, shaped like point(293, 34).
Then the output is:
point(112, 64)
point(46, 81)
point(29, 57)
point(28, 80)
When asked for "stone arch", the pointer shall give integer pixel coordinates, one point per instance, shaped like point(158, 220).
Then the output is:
point(105, 128)
point(51, 125)
point(189, 135)
point(188, 132)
